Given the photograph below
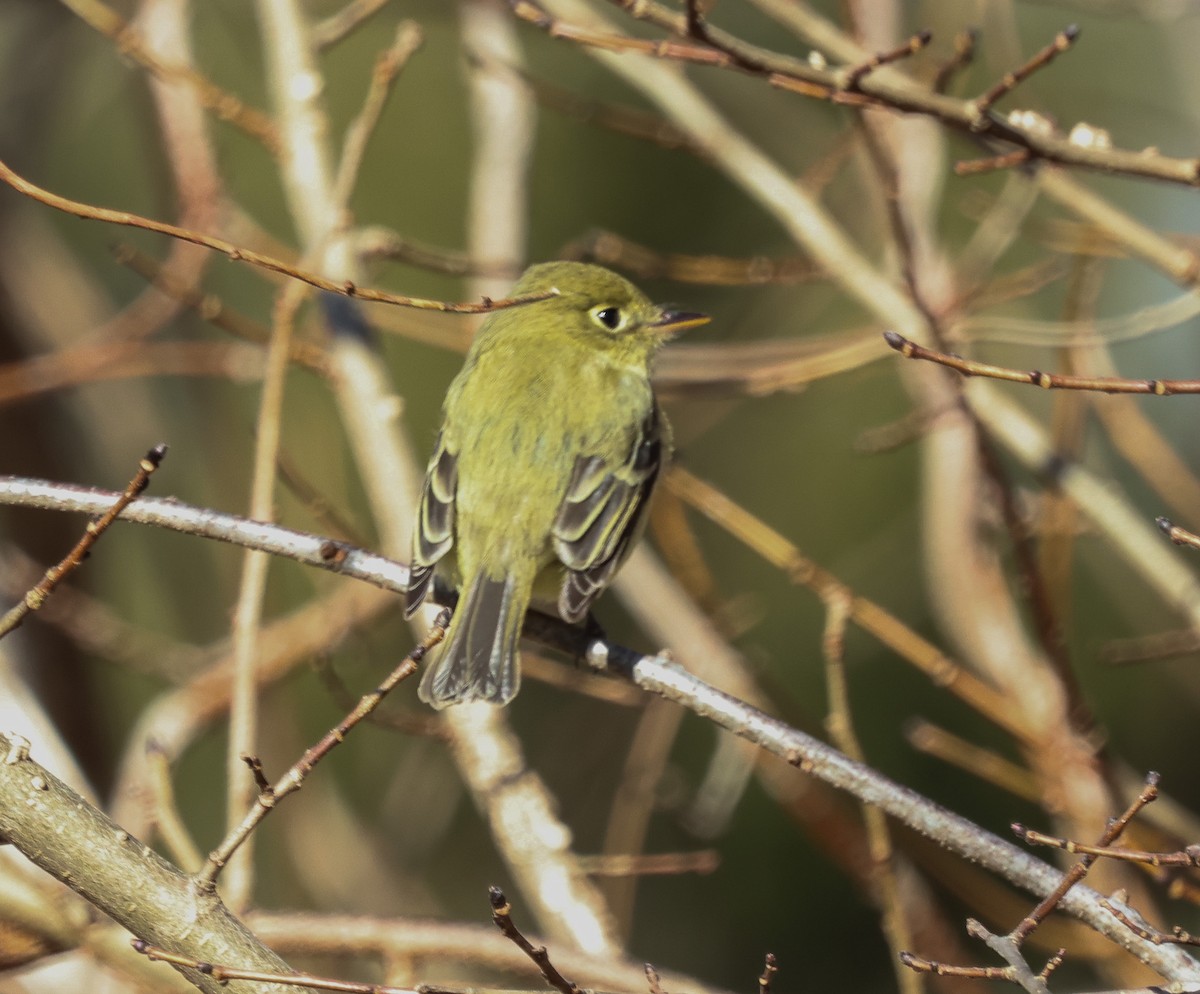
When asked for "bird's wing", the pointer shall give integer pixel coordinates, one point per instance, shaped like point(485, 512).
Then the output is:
point(601, 515)
point(434, 533)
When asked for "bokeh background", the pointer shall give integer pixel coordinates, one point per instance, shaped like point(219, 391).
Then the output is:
point(386, 827)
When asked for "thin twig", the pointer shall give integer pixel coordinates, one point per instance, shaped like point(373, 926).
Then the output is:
point(1008, 947)
point(611, 249)
point(701, 862)
point(1077, 872)
point(388, 66)
point(1011, 80)
point(983, 763)
point(964, 55)
point(378, 242)
point(922, 965)
point(210, 308)
point(222, 974)
point(224, 104)
point(1034, 377)
point(337, 26)
point(1177, 533)
point(252, 587)
point(294, 778)
point(502, 916)
point(768, 972)
point(726, 51)
point(890, 630)
point(855, 74)
point(37, 595)
point(170, 824)
point(993, 163)
point(885, 887)
point(1188, 857)
point(345, 288)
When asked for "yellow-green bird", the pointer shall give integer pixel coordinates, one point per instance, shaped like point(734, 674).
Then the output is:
point(550, 445)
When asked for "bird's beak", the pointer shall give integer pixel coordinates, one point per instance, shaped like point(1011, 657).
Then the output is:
point(671, 322)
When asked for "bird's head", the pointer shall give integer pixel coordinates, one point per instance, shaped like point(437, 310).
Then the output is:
point(600, 307)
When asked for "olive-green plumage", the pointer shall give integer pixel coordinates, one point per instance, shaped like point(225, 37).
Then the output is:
point(551, 442)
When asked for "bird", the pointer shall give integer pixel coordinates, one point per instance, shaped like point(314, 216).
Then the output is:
point(550, 445)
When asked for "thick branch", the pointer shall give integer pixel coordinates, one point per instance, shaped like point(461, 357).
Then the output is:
point(78, 844)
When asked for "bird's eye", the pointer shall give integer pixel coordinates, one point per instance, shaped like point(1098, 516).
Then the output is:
point(610, 317)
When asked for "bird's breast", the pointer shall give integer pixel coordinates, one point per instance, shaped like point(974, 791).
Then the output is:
point(518, 425)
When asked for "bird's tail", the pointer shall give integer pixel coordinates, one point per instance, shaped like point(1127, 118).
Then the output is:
point(478, 661)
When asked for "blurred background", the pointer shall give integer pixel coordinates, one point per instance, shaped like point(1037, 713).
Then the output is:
point(822, 443)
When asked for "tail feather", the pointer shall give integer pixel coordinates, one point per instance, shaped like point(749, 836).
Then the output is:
point(478, 661)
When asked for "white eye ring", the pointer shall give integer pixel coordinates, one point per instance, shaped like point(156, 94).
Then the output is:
point(608, 317)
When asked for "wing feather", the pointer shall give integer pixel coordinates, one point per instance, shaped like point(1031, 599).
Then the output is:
point(434, 534)
point(601, 515)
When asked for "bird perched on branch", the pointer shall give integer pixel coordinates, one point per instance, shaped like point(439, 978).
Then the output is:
point(550, 445)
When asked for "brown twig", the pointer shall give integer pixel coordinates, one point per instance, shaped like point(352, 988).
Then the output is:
point(620, 118)
point(337, 26)
point(410, 721)
point(1034, 377)
point(225, 105)
point(294, 778)
point(633, 802)
point(1077, 872)
point(1177, 533)
point(869, 616)
point(222, 974)
point(1008, 948)
point(726, 51)
point(502, 916)
point(1017, 972)
point(171, 827)
point(1011, 80)
point(37, 595)
point(855, 74)
point(96, 628)
point(964, 55)
point(1187, 857)
point(884, 883)
point(611, 249)
point(993, 163)
point(388, 65)
point(242, 740)
point(378, 242)
point(1052, 964)
point(345, 288)
point(99, 362)
point(983, 763)
point(1177, 936)
point(922, 965)
point(255, 766)
point(1151, 648)
point(768, 972)
point(210, 308)
point(702, 862)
